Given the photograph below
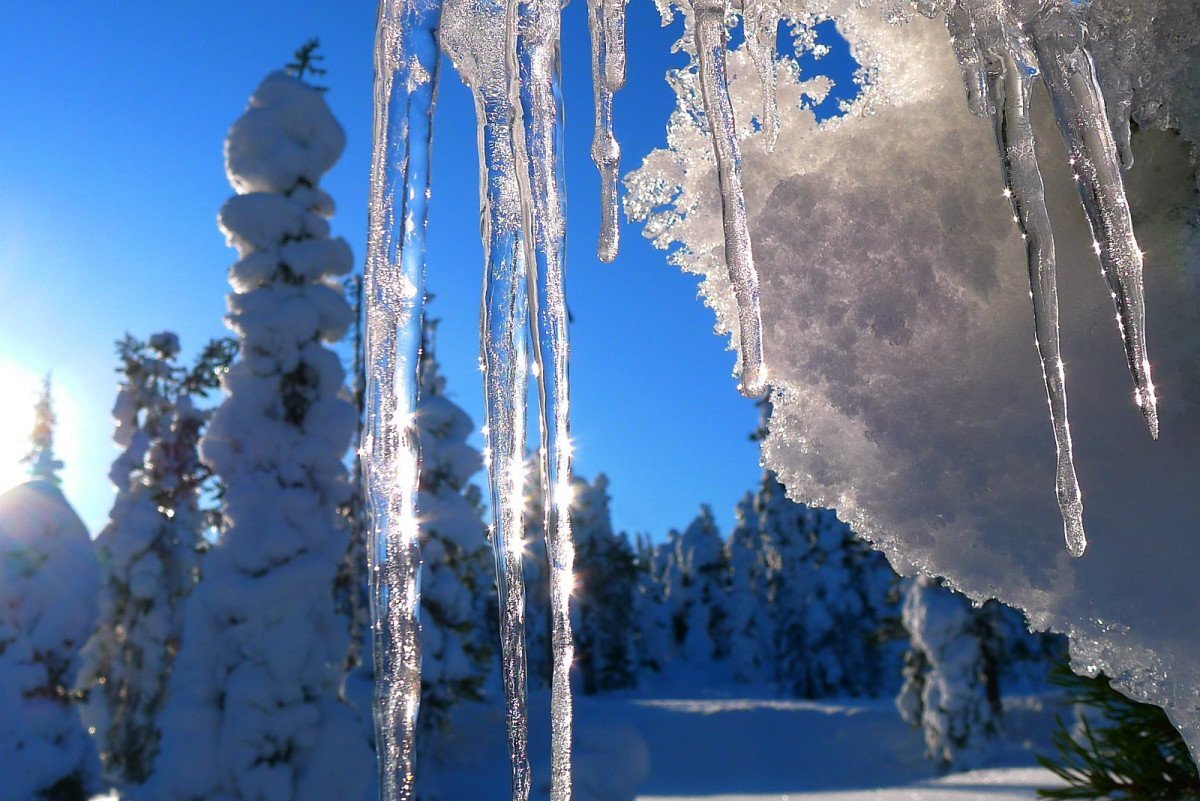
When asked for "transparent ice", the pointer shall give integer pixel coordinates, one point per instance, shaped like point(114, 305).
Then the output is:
point(406, 62)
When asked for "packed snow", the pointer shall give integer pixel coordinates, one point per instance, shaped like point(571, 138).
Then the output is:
point(897, 325)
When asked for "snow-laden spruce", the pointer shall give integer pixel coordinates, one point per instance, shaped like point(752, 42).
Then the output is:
point(253, 708)
point(951, 689)
point(148, 551)
point(700, 589)
point(48, 583)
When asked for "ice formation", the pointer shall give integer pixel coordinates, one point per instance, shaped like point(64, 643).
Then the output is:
point(406, 60)
point(897, 330)
point(892, 402)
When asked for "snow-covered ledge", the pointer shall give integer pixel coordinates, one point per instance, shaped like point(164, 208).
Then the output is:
point(899, 334)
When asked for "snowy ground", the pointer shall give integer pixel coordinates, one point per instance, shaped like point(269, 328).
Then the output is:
point(743, 749)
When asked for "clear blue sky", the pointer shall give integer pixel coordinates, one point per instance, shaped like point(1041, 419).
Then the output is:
point(112, 118)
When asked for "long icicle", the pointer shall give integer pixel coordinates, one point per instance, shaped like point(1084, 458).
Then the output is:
point(606, 152)
point(538, 134)
point(477, 35)
point(406, 59)
point(1011, 87)
point(708, 20)
point(761, 18)
point(1070, 75)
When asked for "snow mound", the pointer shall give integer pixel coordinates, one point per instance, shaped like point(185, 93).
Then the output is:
point(48, 585)
point(899, 336)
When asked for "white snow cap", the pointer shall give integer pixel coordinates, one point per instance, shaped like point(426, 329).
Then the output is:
point(287, 136)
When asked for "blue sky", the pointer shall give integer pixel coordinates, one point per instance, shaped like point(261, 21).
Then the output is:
point(112, 128)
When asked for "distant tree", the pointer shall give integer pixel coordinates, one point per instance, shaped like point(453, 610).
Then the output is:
point(603, 615)
point(40, 459)
point(651, 613)
point(150, 548)
point(1119, 748)
point(254, 707)
point(750, 563)
point(703, 587)
point(457, 577)
point(48, 581)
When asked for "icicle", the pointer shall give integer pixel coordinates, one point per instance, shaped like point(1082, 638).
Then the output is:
point(539, 152)
point(708, 20)
point(1011, 86)
point(1001, 47)
point(606, 152)
point(1070, 75)
point(477, 36)
point(760, 18)
point(405, 88)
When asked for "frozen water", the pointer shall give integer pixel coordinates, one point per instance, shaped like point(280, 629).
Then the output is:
point(405, 88)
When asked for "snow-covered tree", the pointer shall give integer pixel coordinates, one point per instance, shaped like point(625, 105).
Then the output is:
point(749, 595)
point(48, 582)
point(253, 709)
point(951, 689)
point(457, 578)
point(40, 459)
point(606, 583)
point(149, 549)
point(701, 578)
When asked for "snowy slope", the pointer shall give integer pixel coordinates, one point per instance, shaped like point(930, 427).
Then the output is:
point(740, 748)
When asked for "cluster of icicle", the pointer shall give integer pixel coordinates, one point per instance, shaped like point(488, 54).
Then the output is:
point(1003, 47)
point(508, 53)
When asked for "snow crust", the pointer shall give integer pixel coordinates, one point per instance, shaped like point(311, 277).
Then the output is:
point(897, 329)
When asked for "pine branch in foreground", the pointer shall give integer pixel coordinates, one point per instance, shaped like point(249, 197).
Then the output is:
point(1131, 751)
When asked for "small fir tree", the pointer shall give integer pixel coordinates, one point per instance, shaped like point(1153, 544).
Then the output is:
point(149, 550)
point(40, 459)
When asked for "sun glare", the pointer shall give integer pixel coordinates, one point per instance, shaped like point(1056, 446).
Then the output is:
point(18, 391)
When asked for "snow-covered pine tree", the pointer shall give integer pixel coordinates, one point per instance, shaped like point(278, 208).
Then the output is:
point(149, 549)
point(704, 589)
point(253, 710)
point(48, 583)
point(951, 690)
point(603, 615)
point(749, 599)
point(457, 577)
point(651, 615)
